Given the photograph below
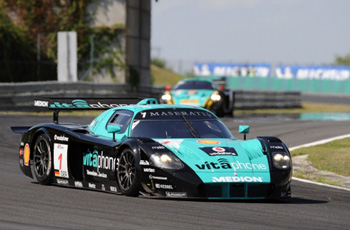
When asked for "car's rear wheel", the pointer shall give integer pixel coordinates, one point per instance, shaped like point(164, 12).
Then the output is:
point(42, 162)
point(126, 174)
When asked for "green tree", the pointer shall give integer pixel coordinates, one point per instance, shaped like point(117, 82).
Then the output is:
point(339, 60)
point(39, 21)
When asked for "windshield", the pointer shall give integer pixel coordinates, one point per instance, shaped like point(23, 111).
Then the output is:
point(180, 129)
point(194, 85)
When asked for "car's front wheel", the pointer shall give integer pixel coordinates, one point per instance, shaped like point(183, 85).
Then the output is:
point(126, 174)
point(42, 162)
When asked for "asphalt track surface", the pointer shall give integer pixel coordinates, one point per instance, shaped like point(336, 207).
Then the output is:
point(25, 204)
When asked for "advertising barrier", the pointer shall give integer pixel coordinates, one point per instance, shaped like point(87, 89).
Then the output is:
point(232, 70)
point(337, 73)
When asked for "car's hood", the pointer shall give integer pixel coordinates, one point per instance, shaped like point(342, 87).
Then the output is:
point(222, 160)
point(195, 97)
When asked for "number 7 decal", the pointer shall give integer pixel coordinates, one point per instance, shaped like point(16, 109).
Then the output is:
point(60, 153)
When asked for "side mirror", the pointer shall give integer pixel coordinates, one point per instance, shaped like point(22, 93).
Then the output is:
point(112, 128)
point(244, 129)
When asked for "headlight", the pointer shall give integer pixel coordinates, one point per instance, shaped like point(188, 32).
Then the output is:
point(164, 160)
point(166, 97)
point(215, 97)
point(281, 160)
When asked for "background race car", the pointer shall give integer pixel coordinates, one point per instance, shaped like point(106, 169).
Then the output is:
point(202, 93)
point(153, 150)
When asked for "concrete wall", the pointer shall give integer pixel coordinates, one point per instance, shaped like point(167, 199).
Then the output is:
point(136, 16)
point(108, 12)
point(138, 38)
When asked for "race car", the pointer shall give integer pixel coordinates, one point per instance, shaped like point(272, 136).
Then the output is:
point(200, 92)
point(153, 150)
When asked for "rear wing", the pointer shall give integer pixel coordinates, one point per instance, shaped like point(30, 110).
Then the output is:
point(58, 104)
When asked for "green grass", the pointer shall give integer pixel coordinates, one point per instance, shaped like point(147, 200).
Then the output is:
point(164, 77)
point(316, 178)
point(332, 157)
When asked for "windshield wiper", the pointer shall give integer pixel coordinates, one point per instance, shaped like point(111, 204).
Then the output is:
point(193, 131)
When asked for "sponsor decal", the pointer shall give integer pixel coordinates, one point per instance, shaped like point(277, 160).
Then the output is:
point(60, 138)
point(276, 147)
point(26, 154)
point(158, 147)
point(95, 159)
point(209, 142)
point(225, 164)
point(164, 186)
point(144, 162)
point(60, 154)
point(60, 181)
point(219, 151)
point(165, 114)
point(78, 184)
point(176, 194)
point(96, 174)
point(157, 177)
point(179, 113)
point(149, 170)
point(113, 189)
point(91, 185)
point(237, 179)
point(172, 144)
point(192, 92)
point(82, 104)
point(39, 103)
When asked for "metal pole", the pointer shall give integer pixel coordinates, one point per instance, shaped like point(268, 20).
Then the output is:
point(38, 57)
point(92, 54)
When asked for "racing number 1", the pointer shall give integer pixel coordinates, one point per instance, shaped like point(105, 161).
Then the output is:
point(60, 159)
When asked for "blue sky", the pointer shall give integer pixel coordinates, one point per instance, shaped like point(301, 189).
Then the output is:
point(251, 31)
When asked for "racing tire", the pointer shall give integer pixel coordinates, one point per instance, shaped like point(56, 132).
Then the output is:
point(220, 112)
point(42, 160)
point(127, 178)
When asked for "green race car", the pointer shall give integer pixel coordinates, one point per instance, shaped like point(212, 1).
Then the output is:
point(201, 93)
point(153, 150)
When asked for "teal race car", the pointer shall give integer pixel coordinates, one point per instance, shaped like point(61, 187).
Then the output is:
point(153, 150)
point(200, 92)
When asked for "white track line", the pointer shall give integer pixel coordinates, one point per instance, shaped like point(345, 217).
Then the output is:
point(321, 184)
point(320, 143)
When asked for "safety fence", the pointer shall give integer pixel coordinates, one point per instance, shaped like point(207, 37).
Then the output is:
point(19, 96)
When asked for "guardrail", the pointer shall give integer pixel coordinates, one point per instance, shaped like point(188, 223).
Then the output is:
point(19, 96)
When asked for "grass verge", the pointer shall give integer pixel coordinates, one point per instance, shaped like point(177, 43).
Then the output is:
point(316, 178)
point(332, 157)
point(164, 77)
